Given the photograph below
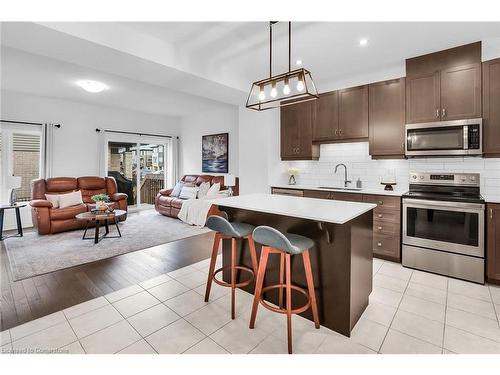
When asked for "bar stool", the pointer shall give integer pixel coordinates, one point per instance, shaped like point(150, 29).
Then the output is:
point(286, 245)
point(233, 231)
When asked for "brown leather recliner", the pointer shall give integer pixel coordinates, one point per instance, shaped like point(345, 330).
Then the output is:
point(54, 220)
point(170, 206)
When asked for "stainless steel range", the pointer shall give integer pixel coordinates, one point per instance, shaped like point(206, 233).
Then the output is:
point(443, 225)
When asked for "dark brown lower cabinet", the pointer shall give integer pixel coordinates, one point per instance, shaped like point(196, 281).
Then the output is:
point(386, 218)
point(386, 226)
point(493, 242)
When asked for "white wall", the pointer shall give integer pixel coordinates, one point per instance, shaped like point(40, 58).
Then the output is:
point(220, 119)
point(76, 142)
point(256, 145)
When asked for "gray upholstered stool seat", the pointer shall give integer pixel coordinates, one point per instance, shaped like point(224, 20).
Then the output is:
point(288, 242)
point(285, 245)
point(227, 228)
point(234, 231)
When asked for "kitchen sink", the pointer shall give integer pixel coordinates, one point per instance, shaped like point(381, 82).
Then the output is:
point(340, 188)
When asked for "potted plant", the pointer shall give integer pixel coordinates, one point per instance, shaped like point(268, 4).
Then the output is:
point(100, 201)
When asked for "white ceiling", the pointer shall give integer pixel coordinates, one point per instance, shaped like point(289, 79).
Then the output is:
point(213, 60)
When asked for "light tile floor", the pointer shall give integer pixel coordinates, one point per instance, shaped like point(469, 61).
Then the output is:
point(409, 312)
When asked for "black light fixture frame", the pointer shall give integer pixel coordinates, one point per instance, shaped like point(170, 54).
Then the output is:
point(310, 93)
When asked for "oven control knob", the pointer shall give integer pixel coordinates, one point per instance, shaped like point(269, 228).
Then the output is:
point(421, 177)
point(463, 179)
point(414, 176)
point(472, 178)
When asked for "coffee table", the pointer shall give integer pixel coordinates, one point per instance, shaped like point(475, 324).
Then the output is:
point(101, 218)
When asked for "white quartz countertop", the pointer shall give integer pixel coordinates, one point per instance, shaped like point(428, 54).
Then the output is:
point(329, 211)
point(381, 191)
point(491, 198)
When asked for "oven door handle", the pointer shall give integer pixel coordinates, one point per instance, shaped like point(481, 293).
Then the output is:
point(453, 206)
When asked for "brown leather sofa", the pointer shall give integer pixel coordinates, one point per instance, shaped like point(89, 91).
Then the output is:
point(170, 206)
point(54, 220)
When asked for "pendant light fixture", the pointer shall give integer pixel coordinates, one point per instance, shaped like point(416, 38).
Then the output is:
point(292, 87)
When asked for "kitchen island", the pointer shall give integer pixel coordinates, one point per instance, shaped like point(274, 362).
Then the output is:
point(341, 259)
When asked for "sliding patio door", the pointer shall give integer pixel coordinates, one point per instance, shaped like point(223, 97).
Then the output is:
point(139, 166)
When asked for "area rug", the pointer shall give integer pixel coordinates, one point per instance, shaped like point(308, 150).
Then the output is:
point(33, 254)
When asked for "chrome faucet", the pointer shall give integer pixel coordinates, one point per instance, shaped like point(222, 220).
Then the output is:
point(346, 181)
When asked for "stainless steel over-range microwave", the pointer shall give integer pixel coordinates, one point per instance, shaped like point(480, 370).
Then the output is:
point(445, 138)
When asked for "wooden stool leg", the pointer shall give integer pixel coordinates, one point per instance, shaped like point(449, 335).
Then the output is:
point(310, 286)
point(233, 276)
point(288, 302)
point(258, 284)
point(253, 254)
point(282, 278)
point(213, 260)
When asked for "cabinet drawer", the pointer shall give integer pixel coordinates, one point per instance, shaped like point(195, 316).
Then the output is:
point(352, 197)
point(293, 192)
point(386, 215)
point(383, 200)
point(317, 194)
point(387, 228)
point(386, 245)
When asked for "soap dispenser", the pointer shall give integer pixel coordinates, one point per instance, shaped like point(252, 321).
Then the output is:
point(359, 183)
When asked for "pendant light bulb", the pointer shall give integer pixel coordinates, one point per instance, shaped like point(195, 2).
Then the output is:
point(262, 94)
point(274, 92)
point(300, 83)
point(286, 88)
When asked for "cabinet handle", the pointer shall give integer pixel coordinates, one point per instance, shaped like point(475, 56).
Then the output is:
point(402, 146)
point(437, 112)
point(379, 244)
point(336, 132)
point(491, 213)
point(443, 113)
point(379, 228)
point(380, 202)
point(340, 131)
point(379, 215)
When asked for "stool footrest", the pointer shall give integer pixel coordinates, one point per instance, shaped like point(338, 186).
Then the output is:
point(283, 310)
point(239, 285)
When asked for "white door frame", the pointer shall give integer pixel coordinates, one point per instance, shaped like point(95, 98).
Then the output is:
point(138, 140)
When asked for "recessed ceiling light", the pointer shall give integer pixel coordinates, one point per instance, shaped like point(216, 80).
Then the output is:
point(92, 86)
point(298, 62)
point(363, 42)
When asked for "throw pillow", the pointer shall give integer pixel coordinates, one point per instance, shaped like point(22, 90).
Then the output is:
point(177, 189)
point(189, 192)
point(214, 189)
point(204, 187)
point(54, 199)
point(70, 199)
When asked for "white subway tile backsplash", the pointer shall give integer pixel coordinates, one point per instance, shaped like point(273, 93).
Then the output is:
point(360, 164)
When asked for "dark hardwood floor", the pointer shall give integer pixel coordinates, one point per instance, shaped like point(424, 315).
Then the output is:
point(41, 295)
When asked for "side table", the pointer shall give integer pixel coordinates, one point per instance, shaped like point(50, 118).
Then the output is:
point(18, 219)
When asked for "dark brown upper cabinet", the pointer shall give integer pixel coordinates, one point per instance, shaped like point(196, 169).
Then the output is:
point(491, 108)
point(461, 92)
point(296, 132)
point(422, 98)
point(445, 85)
point(387, 118)
point(326, 120)
point(353, 113)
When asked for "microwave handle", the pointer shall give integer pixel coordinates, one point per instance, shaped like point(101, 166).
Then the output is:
point(466, 137)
